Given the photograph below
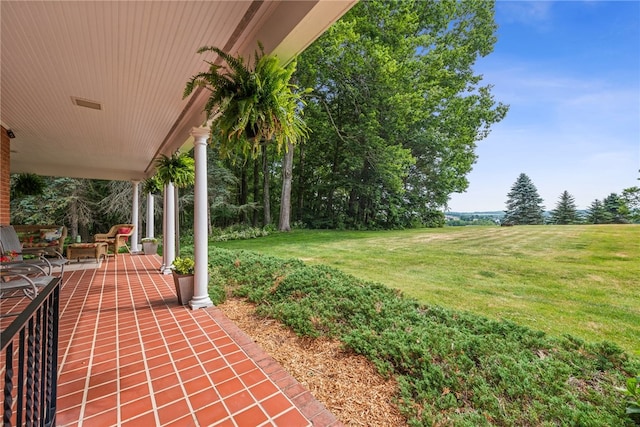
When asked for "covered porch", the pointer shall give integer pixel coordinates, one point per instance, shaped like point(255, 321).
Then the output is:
point(128, 353)
point(95, 91)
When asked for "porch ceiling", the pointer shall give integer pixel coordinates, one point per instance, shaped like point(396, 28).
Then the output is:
point(133, 58)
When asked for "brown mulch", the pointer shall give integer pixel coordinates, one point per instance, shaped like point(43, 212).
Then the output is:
point(346, 383)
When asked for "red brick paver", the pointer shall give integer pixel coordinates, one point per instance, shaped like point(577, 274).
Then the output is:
point(130, 355)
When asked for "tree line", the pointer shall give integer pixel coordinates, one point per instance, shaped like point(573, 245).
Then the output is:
point(524, 207)
point(395, 113)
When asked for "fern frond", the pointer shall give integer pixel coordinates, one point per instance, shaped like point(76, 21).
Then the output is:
point(260, 100)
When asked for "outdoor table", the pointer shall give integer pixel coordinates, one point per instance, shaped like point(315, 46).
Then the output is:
point(87, 250)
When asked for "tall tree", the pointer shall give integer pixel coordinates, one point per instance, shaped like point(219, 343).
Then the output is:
point(117, 201)
point(77, 204)
point(266, 194)
point(68, 201)
point(616, 208)
point(396, 111)
point(631, 197)
point(524, 205)
point(597, 214)
point(284, 222)
point(221, 185)
point(565, 211)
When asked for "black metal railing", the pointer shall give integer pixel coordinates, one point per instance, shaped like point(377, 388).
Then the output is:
point(30, 356)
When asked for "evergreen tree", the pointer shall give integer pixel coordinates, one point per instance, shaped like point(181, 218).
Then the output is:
point(597, 214)
point(616, 209)
point(631, 198)
point(69, 201)
point(524, 205)
point(565, 211)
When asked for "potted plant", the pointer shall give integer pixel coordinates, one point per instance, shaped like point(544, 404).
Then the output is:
point(183, 271)
point(150, 245)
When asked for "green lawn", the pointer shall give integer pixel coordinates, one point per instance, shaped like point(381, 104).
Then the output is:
point(581, 280)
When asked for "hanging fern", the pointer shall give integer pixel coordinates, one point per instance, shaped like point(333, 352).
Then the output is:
point(26, 184)
point(178, 169)
point(152, 185)
point(251, 105)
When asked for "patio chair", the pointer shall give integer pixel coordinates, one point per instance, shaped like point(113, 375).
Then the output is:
point(16, 276)
point(10, 247)
point(117, 237)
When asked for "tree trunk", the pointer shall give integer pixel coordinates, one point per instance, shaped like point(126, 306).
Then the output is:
point(300, 186)
point(285, 199)
point(332, 188)
point(256, 190)
point(244, 193)
point(266, 203)
point(74, 221)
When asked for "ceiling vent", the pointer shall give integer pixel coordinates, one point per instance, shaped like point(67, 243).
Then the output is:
point(86, 103)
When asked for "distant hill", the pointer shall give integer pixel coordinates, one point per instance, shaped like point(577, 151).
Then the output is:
point(498, 214)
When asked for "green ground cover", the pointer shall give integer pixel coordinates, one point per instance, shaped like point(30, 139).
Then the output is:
point(452, 367)
point(578, 280)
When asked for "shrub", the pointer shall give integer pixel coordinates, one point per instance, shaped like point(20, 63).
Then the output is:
point(633, 398)
point(238, 233)
point(216, 287)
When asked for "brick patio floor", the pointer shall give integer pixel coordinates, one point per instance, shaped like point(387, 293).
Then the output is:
point(130, 355)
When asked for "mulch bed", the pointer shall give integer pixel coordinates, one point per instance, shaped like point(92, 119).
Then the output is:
point(346, 383)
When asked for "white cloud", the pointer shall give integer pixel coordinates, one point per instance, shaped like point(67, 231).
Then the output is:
point(536, 14)
point(566, 134)
point(524, 12)
point(584, 101)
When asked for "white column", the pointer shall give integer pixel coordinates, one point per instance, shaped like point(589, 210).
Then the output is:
point(169, 235)
point(200, 234)
point(164, 229)
point(176, 226)
point(150, 216)
point(134, 217)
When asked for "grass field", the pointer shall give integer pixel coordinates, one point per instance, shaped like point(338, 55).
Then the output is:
point(580, 280)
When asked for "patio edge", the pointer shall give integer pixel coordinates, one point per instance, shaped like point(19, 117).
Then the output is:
point(308, 405)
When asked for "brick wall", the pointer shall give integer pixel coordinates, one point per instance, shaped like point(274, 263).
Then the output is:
point(5, 161)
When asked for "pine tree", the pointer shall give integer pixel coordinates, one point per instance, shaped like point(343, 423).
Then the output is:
point(631, 198)
point(616, 209)
point(524, 205)
point(565, 211)
point(597, 214)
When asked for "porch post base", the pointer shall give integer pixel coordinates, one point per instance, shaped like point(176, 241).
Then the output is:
point(200, 302)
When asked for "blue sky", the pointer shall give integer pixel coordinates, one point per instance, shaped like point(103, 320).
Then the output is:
point(570, 71)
